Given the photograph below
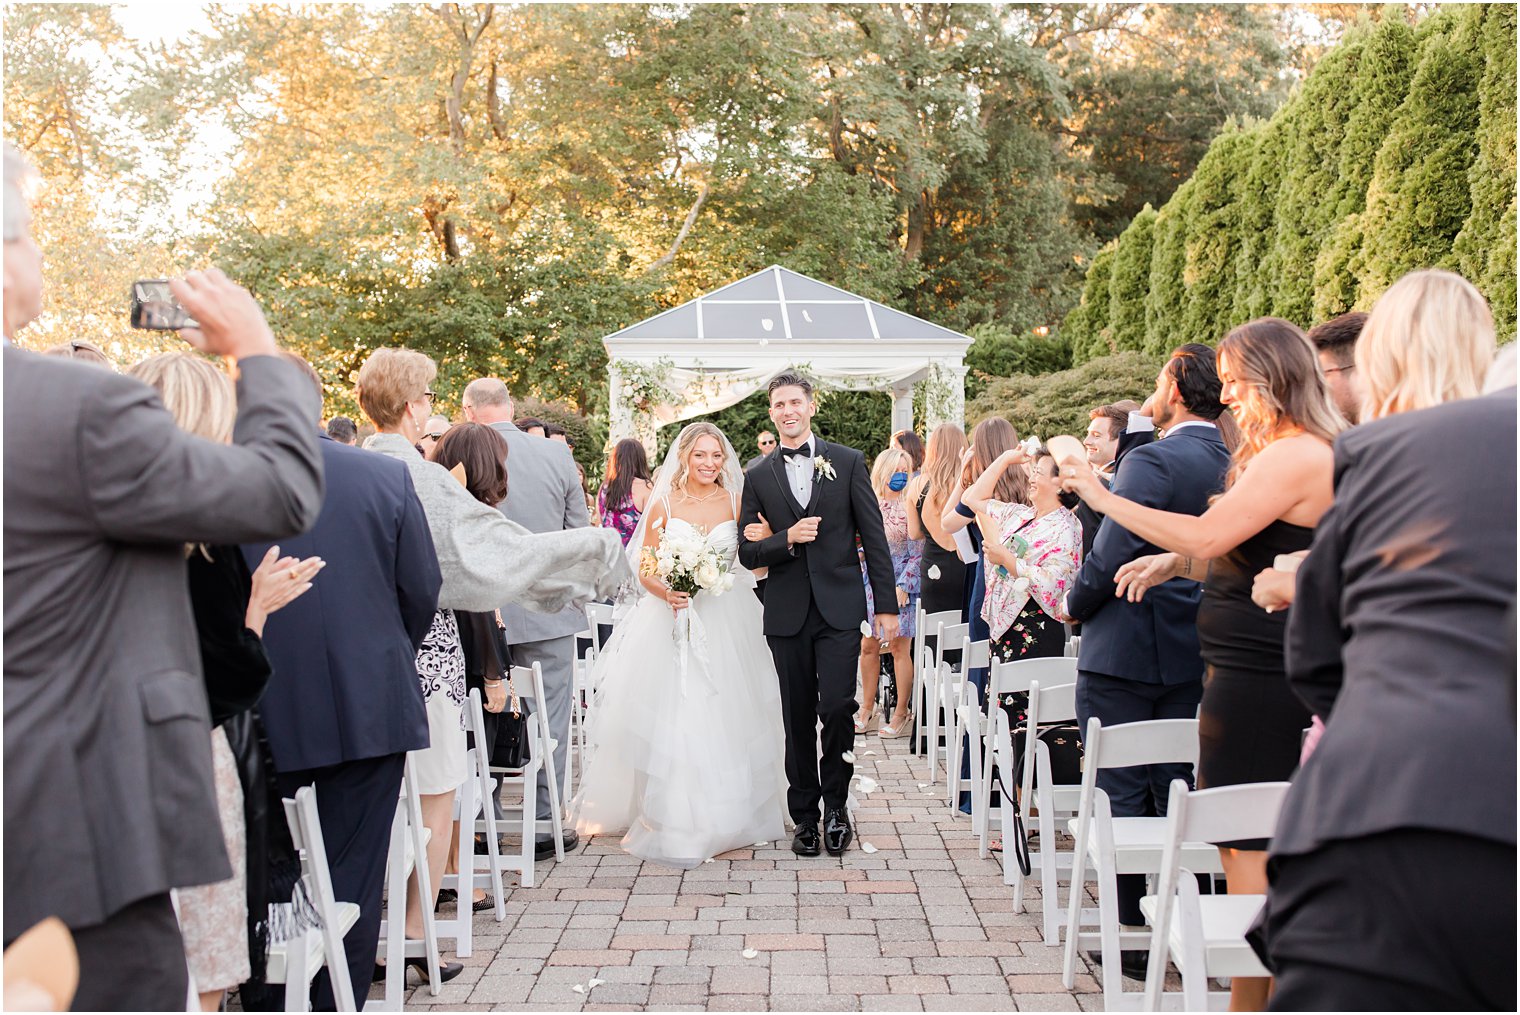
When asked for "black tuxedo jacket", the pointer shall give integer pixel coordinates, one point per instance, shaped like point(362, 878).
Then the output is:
point(826, 571)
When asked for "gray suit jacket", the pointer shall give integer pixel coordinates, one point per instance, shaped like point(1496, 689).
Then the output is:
point(543, 495)
point(108, 781)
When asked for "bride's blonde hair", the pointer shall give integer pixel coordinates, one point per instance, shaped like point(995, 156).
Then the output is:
point(684, 445)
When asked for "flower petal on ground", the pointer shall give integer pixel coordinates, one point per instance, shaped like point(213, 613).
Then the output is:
point(866, 847)
point(849, 757)
point(751, 953)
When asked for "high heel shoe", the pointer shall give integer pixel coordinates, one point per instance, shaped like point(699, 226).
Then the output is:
point(871, 722)
point(446, 970)
point(893, 731)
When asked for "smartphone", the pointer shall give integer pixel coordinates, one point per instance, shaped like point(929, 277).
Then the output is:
point(154, 307)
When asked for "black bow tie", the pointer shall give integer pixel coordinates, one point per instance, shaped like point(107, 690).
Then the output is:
point(789, 452)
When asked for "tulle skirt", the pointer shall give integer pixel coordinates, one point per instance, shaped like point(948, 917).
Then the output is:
point(687, 759)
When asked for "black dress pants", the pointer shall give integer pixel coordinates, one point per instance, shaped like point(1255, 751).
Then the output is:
point(1141, 791)
point(817, 668)
point(356, 803)
point(134, 961)
point(1406, 920)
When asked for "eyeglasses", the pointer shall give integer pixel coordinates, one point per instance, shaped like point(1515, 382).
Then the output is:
point(434, 436)
point(767, 444)
point(430, 397)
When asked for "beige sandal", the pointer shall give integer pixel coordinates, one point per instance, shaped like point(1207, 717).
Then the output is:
point(872, 721)
point(891, 732)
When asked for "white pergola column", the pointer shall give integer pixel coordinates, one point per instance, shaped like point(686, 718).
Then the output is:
point(619, 419)
point(902, 408)
point(945, 394)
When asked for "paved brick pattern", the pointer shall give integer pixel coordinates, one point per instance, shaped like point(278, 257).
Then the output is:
point(922, 924)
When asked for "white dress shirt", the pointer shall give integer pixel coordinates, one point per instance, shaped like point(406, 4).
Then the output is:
point(799, 473)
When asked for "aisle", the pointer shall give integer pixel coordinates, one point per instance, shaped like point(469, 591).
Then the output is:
point(921, 924)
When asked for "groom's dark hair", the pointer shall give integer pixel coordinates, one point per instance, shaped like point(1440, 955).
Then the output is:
point(789, 379)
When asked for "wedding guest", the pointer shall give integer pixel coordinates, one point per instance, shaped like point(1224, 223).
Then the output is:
point(1401, 634)
point(555, 432)
point(1140, 660)
point(231, 605)
point(620, 502)
point(1104, 432)
point(766, 442)
point(486, 561)
point(991, 438)
point(342, 430)
point(82, 350)
point(530, 426)
point(545, 498)
point(1501, 373)
point(1033, 551)
point(110, 799)
point(889, 478)
point(1250, 724)
point(907, 440)
point(432, 432)
point(344, 706)
point(476, 455)
point(944, 573)
point(1335, 342)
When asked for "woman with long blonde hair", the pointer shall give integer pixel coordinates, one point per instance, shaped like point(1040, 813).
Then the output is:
point(944, 573)
point(889, 481)
point(1278, 487)
point(688, 734)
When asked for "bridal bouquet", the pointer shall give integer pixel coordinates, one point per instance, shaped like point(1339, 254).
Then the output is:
point(686, 562)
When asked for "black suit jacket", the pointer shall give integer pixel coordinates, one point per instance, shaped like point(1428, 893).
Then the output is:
point(1398, 636)
point(1154, 641)
point(826, 571)
point(345, 682)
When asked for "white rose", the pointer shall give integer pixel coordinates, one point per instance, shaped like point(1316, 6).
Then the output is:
point(707, 574)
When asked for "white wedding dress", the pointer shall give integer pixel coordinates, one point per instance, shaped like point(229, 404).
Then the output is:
point(687, 759)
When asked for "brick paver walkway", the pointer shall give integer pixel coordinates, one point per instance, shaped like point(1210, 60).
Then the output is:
point(920, 924)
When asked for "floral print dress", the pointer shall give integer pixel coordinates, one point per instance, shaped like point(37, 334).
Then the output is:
point(1020, 612)
point(622, 519)
point(907, 564)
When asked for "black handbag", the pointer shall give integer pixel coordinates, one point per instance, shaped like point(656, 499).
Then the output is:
point(512, 748)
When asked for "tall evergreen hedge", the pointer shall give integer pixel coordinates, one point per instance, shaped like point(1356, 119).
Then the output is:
point(1397, 153)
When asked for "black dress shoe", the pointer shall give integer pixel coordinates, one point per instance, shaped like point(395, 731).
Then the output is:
point(445, 896)
point(1133, 962)
point(805, 840)
point(837, 832)
point(544, 848)
point(446, 970)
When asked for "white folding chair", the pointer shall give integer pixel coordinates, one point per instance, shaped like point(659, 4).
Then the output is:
point(409, 841)
point(474, 812)
point(947, 636)
point(295, 962)
point(583, 693)
point(540, 757)
point(962, 706)
point(1005, 678)
point(1205, 935)
point(1073, 645)
point(1122, 845)
point(1052, 801)
point(926, 686)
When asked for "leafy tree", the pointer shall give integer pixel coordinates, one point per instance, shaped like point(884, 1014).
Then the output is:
point(856, 419)
point(1128, 281)
point(1166, 298)
point(1087, 327)
point(1049, 404)
point(1258, 212)
point(1419, 196)
point(1212, 240)
point(1484, 249)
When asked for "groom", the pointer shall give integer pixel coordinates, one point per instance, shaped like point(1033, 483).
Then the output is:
point(817, 496)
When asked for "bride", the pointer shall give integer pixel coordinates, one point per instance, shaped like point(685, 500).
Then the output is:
point(687, 742)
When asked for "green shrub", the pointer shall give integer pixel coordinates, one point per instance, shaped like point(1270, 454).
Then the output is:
point(1000, 352)
point(1048, 404)
point(1128, 280)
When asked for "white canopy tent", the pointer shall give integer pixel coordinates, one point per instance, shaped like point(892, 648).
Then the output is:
point(720, 348)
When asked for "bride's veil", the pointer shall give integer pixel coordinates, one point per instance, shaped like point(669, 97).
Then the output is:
point(732, 479)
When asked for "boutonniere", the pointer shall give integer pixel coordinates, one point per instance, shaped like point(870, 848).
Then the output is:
point(823, 468)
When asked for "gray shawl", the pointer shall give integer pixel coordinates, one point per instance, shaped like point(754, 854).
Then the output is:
point(487, 560)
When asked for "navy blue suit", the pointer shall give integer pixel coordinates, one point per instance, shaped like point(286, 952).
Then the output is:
point(1140, 660)
point(345, 705)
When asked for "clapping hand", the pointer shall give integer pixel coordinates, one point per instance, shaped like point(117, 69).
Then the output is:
point(276, 581)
